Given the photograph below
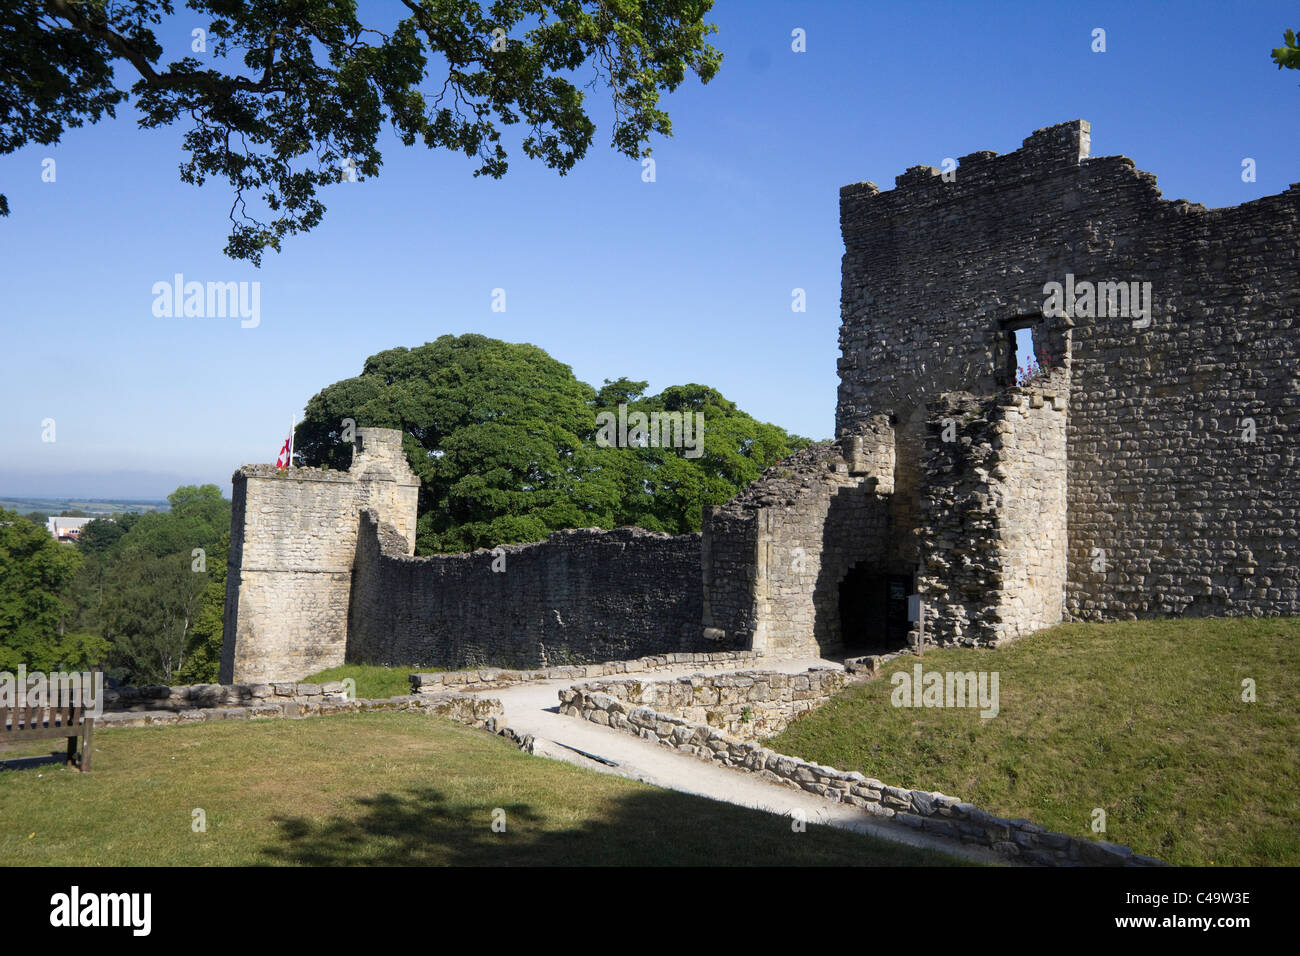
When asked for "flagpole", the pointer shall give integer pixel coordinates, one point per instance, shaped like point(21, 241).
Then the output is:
point(293, 420)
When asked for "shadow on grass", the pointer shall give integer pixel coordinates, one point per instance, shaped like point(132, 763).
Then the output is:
point(417, 828)
point(423, 827)
point(55, 758)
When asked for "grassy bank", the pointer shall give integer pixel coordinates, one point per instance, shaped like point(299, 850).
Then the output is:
point(1144, 720)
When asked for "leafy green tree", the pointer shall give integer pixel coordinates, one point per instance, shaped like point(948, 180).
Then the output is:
point(139, 590)
point(102, 537)
point(35, 571)
point(100, 544)
point(620, 391)
point(148, 613)
point(664, 490)
point(197, 519)
point(497, 434)
point(503, 439)
point(1288, 54)
point(287, 95)
point(203, 650)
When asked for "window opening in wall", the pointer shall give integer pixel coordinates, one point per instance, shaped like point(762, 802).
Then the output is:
point(1025, 361)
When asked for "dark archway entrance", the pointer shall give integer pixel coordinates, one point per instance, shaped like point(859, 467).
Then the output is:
point(873, 611)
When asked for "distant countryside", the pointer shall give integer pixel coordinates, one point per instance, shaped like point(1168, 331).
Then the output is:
point(82, 507)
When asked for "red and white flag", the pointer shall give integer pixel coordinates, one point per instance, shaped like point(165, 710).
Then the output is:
point(285, 458)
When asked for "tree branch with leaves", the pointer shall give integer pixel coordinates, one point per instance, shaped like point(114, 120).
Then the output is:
point(307, 88)
point(1288, 54)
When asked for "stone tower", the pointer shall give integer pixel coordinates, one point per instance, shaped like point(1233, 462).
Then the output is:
point(1154, 471)
point(293, 537)
point(1151, 469)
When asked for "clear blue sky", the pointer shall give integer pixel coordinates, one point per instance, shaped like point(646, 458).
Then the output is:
point(687, 279)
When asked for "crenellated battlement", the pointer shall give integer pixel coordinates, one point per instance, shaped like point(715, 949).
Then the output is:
point(1065, 145)
point(1181, 325)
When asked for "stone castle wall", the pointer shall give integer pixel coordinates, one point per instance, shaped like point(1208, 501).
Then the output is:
point(1188, 515)
point(204, 703)
point(581, 596)
point(992, 521)
point(776, 554)
point(744, 705)
point(477, 679)
point(293, 538)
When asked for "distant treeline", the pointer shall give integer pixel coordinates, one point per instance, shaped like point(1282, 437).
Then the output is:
point(140, 593)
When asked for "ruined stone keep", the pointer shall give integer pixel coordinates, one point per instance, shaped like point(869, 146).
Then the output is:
point(1149, 470)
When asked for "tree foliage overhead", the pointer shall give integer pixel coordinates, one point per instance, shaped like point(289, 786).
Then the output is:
point(1288, 54)
point(289, 91)
point(503, 439)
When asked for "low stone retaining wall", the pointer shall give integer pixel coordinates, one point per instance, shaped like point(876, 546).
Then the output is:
point(435, 683)
point(483, 712)
point(746, 705)
point(204, 696)
point(932, 812)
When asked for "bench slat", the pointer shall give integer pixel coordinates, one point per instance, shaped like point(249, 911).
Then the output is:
point(25, 723)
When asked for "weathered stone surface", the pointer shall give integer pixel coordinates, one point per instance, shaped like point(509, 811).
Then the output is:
point(1137, 440)
point(922, 802)
point(1101, 853)
point(745, 705)
point(293, 541)
point(774, 556)
point(581, 597)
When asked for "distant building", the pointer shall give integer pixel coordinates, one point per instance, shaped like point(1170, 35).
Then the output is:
point(66, 529)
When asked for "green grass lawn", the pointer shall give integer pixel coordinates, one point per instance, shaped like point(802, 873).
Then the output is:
point(373, 681)
point(378, 789)
point(1144, 720)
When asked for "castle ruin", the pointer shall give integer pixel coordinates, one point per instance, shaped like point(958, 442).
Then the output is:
point(1149, 471)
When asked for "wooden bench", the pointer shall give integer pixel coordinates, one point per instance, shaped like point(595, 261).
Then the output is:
point(18, 725)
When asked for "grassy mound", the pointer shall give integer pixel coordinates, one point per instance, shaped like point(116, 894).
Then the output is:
point(1144, 720)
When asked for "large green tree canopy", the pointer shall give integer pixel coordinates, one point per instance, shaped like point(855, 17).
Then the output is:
point(285, 95)
point(503, 439)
